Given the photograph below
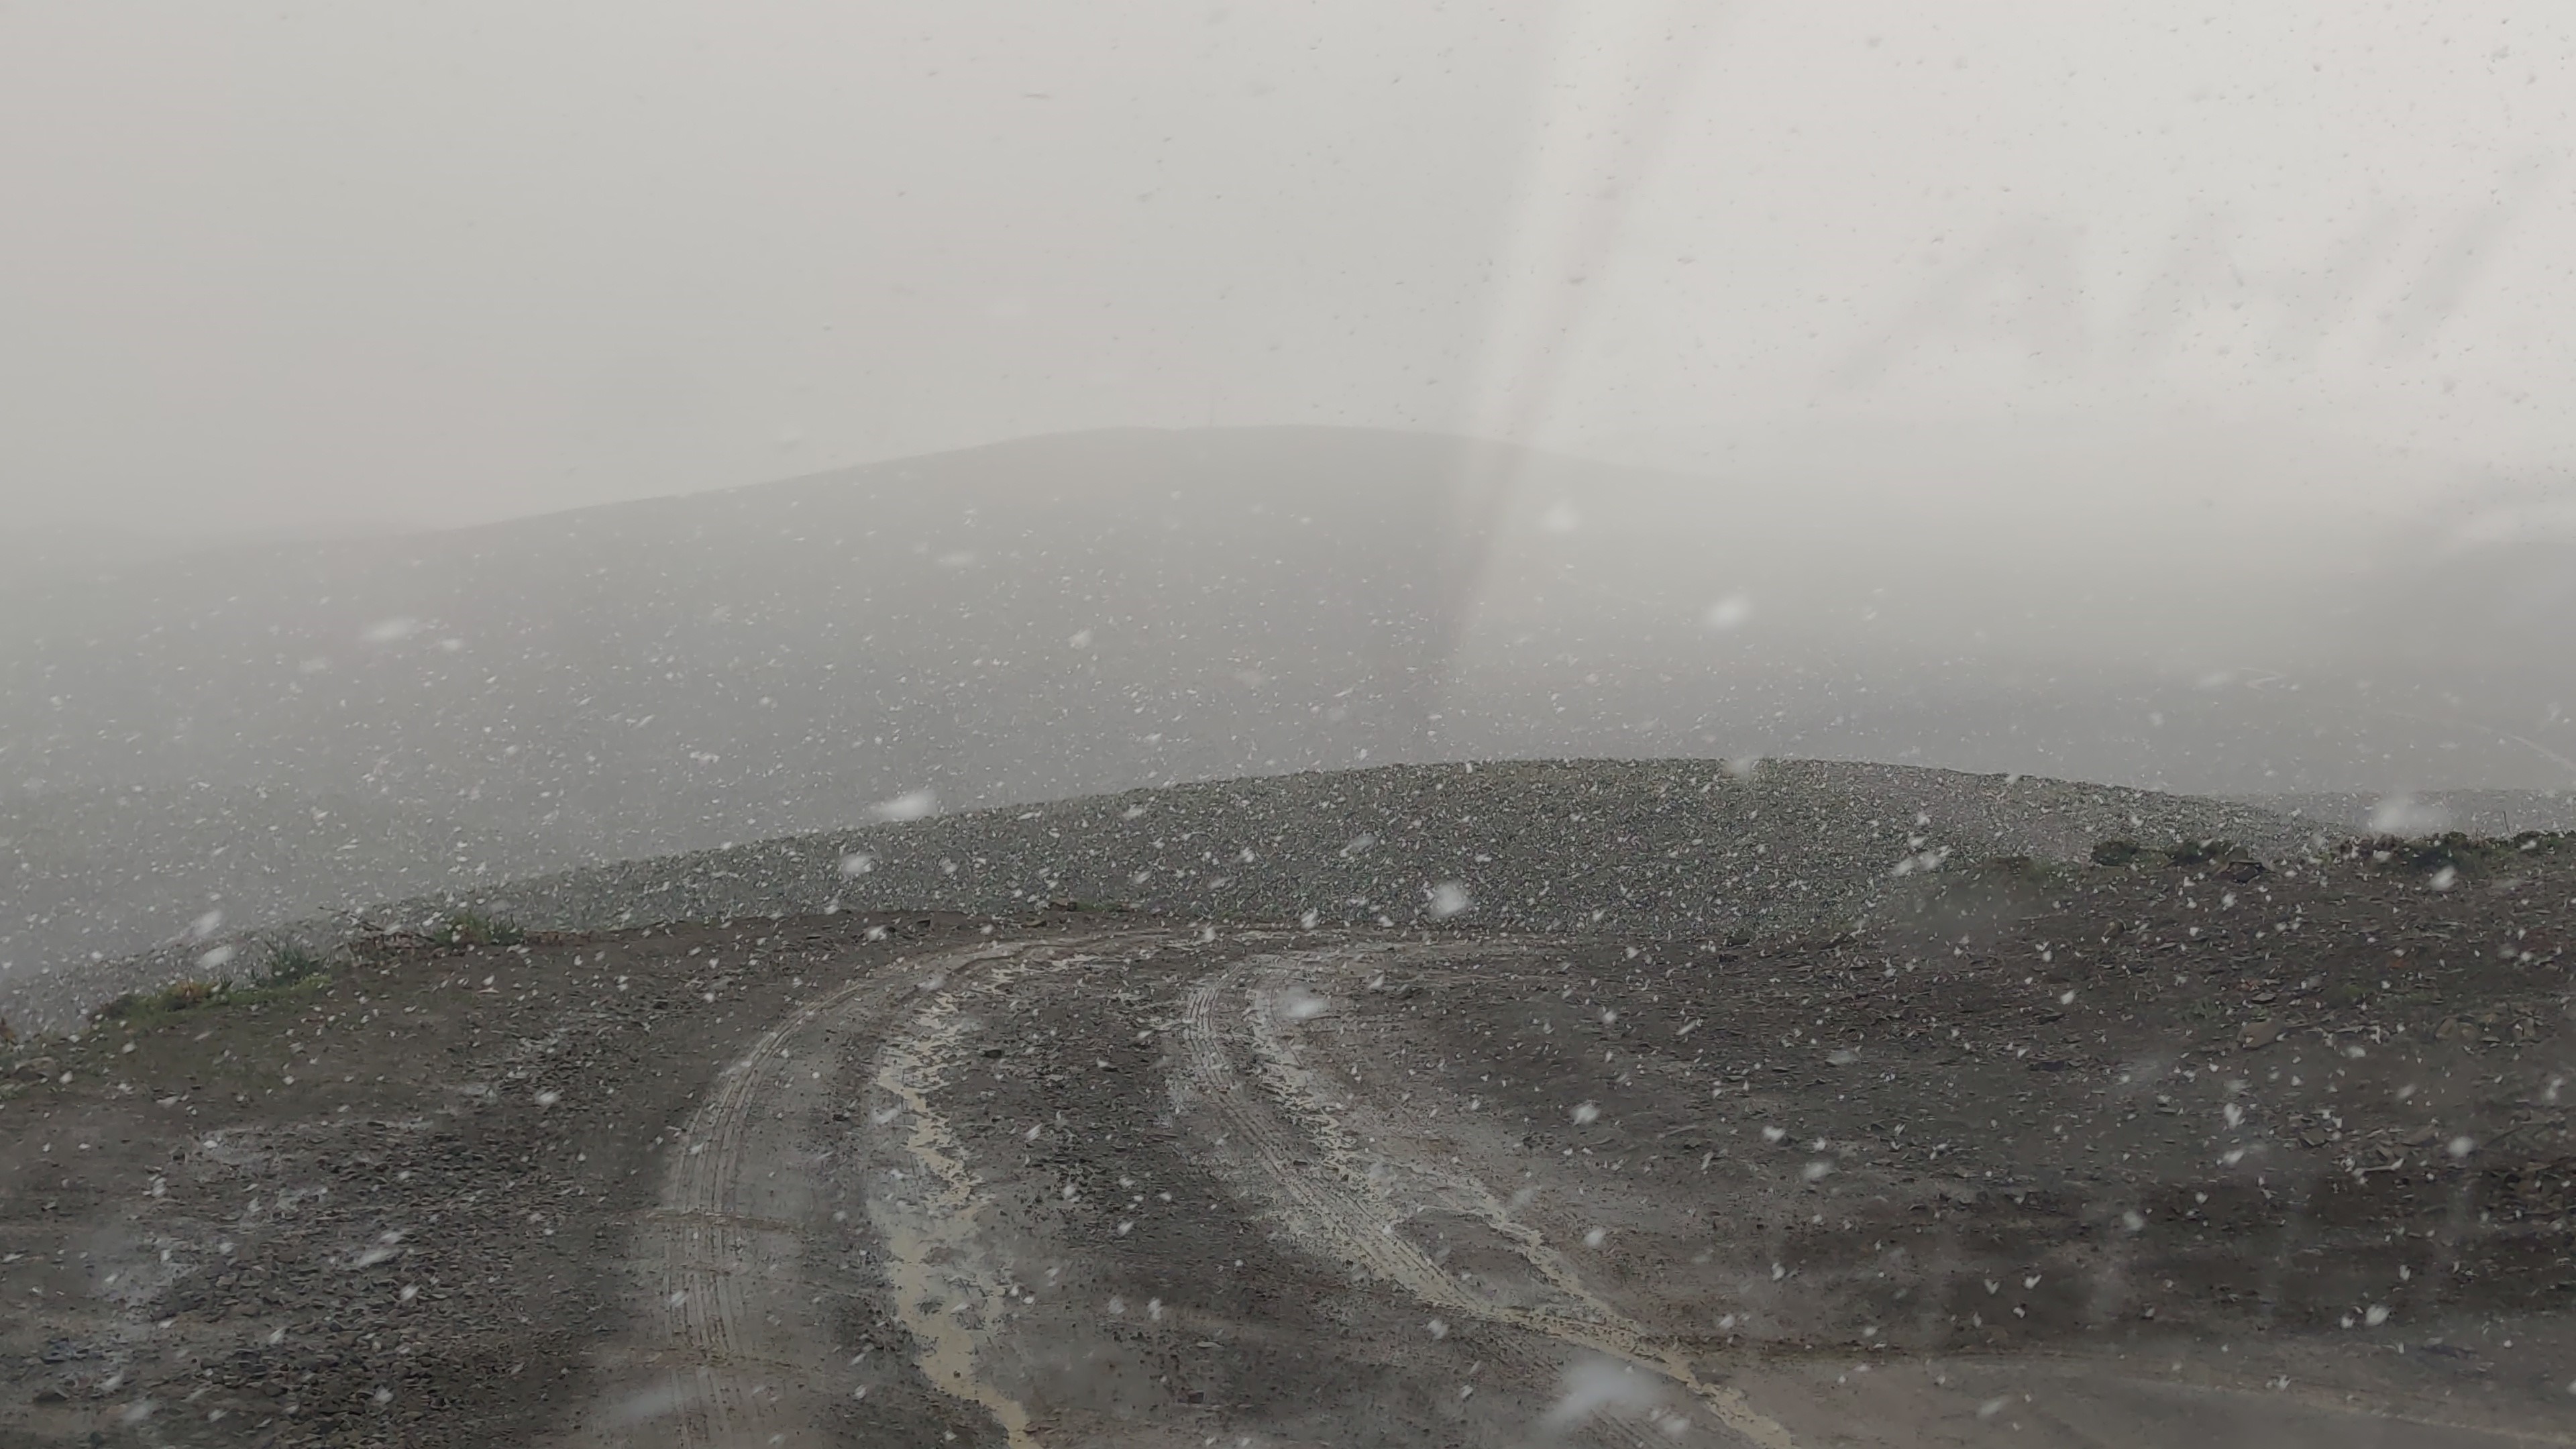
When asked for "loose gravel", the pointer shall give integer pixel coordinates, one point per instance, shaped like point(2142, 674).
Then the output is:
point(1698, 847)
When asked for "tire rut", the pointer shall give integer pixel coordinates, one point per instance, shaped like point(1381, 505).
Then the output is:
point(1344, 1210)
point(736, 1341)
point(948, 1292)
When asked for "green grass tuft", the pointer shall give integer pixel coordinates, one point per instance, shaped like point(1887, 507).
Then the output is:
point(170, 1000)
point(290, 971)
point(473, 928)
point(289, 964)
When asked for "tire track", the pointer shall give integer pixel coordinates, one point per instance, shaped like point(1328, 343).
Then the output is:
point(945, 1290)
point(1344, 1209)
point(717, 1243)
point(948, 1291)
point(736, 1335)
point(709, 1247)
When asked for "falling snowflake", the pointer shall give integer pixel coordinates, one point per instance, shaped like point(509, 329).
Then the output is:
point(1593, 1386)
point(1728, 613)
point(913, 805)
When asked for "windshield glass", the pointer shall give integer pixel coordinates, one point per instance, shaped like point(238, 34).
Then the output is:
point(1345, 724)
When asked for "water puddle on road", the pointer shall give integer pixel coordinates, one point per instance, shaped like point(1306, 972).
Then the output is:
point(933, 1247)
point(948, 1293)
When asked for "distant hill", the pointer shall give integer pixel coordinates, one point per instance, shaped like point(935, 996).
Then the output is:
point(1093, 612)
point(1030, 620)
point(1037, 618)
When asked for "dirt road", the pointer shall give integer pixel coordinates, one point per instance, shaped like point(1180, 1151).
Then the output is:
point(1148, 1187)
point(2105, 1168)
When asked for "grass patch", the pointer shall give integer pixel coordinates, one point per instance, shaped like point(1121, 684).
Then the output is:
point(180, 998)
point(290, 970)
point(185, 995)
point(265, 993)
point(170, 1000)
point(473, 928)
point(175, 999)
point(289, 964)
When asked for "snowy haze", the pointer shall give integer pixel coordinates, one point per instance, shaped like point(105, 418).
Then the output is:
point(1181, 391)
point(322, 268)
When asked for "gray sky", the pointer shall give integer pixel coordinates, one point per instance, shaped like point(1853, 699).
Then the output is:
point(329, 265)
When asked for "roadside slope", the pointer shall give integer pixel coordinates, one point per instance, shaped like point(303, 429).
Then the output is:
point(1700, 847)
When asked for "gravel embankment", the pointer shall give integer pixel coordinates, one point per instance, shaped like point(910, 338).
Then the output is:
point(1677, 846)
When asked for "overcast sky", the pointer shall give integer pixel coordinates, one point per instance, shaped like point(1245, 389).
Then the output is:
point(418, 264)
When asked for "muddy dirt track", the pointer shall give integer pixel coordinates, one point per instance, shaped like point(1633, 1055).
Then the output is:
point(2169, 1155)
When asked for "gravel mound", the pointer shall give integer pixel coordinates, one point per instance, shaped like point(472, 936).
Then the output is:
point(1663, 847)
